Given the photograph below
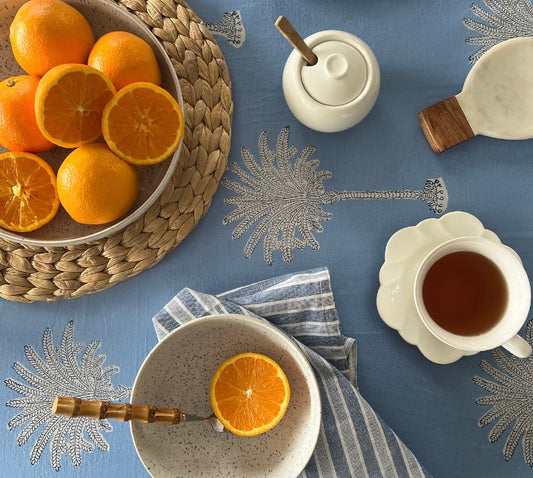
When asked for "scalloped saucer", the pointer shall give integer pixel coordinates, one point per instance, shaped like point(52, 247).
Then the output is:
point(403, 254)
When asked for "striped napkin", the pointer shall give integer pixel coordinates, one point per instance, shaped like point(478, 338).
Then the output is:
point(353, 441)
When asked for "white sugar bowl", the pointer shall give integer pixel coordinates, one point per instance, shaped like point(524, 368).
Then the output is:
point(340, 89)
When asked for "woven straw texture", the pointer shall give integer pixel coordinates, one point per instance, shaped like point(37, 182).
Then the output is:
point(29, 273)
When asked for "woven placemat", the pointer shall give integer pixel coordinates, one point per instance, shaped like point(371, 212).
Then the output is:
point(29, 273)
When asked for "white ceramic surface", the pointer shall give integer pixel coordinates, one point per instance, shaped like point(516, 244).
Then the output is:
point(518, 297)
point(404, 253)
point(497, 96)
point(103, 16)
point(340, 89)
point(178, 372)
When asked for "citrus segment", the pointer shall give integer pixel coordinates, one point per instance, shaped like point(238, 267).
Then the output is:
point(18, 126)
point(95, 186)
point(143, 123)
point(46, 33)
point(125, 58)
point(249, 394)
point(69, 102)
point(28, 195)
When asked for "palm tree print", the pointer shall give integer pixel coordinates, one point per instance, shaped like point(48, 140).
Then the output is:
point(59, 373)
point(281, 197)
point(230, 27)
point(510, 386)
point(504, 19)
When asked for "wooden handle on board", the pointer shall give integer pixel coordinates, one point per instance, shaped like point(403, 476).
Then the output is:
point(445, 124)
point(293, 37)
point(75, 407)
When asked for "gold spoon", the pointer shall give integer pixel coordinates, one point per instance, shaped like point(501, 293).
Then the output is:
point(76, 407)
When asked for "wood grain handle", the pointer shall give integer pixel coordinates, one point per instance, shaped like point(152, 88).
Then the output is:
point(75, 407)
point(293, 37)
point(445, 125)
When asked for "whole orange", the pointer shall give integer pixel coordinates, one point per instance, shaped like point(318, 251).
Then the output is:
point(95, 186)
point(125, 58)
point(46, 33)
point(18, 126)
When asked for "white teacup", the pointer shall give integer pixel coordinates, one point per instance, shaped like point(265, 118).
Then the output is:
point(447, 281)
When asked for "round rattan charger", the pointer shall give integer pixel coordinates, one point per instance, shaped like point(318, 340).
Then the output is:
point(30, 273)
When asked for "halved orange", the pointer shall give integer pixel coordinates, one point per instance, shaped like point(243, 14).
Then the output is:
point(28, 194)
point(143, 123)
point(69, 102)
point(249, 394)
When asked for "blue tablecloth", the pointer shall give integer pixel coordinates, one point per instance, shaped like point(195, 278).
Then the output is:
point(424, 56)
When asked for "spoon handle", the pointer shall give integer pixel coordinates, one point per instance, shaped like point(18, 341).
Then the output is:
point(76, 407)
point(294, 38)
point(445, 124)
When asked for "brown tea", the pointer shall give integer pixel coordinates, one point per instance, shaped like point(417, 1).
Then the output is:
point(465, 293)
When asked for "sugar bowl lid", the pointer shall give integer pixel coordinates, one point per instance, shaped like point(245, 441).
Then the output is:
point(339, 76)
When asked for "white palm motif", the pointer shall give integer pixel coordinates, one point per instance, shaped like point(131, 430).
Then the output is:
point(58, 373)
point(511, 399)
point(230, 27)
point(283, 198)
point(505, 19)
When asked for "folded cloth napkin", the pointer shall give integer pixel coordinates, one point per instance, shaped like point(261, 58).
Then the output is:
point(353, 440)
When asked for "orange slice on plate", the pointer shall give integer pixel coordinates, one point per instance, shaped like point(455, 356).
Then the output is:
point(143, 124)
point(249, 394)
point(69, 102)
point(28, 194)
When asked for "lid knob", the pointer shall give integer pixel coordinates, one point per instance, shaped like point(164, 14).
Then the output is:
point(336, 65)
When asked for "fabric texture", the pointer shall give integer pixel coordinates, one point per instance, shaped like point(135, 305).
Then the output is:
point(353, 440)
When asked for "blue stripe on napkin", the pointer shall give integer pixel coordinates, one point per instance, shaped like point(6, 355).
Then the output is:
point(353, 441)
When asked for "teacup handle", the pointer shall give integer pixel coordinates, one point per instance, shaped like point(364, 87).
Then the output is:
point(518, 346)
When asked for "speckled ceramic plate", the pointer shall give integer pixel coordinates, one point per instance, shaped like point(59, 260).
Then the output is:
point(403, 254)
point(178, 372)
point(103, 16)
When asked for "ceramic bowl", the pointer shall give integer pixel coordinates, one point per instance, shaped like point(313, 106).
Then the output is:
point(103, 16)
point(178, 372)
point(340, 90)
